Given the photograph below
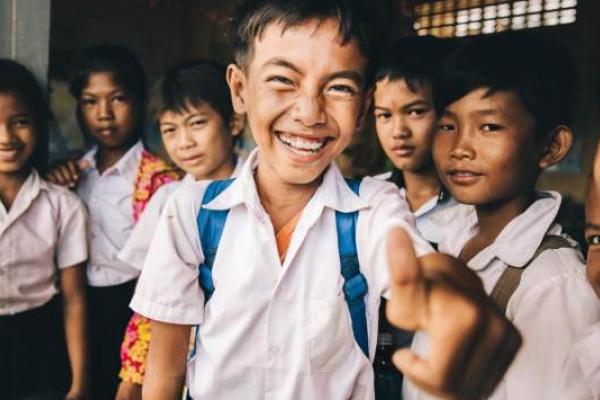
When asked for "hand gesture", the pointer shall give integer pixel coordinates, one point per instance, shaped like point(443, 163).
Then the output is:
point(471, 343)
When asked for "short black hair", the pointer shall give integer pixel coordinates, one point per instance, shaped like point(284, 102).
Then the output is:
point(125, 69)
point(355, 17)
point(18, 81)
point(191, 83)
point(414, 59)
point(540, 71)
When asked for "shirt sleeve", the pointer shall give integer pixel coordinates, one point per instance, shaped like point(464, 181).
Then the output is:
point(168, 289)
point(137, 245)
point(72, 246)
point(550, 316)
point(387, 210)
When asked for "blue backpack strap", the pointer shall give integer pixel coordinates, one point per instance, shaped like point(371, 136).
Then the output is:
point(355, 283)
point(210, 229)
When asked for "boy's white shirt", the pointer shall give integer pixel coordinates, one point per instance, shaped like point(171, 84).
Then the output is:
point(581, 376)
point(273, 331)
point(552, 306)
point(109, 198)
point(136, 248)
point(424, 216)
point(43, 232)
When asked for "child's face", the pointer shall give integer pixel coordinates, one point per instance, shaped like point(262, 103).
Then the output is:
point(304, 94)
point(405, 122)
point(198, 140)
point(107, 111)
point(485, 149)
point(592, 225)
point(18, 135)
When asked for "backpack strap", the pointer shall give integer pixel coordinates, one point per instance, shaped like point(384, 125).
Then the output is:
point(511, 277)
point(210, 229)
point(355, 283)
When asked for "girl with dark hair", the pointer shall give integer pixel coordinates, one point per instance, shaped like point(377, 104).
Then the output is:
point(44, 248)
point(115, 178)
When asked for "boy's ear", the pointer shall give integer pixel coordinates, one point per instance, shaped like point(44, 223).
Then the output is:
point(557, 147)
point(364, 108)
point(237, 86)
point(237, 123)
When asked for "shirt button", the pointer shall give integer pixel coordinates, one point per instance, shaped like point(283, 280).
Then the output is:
point(274, 350)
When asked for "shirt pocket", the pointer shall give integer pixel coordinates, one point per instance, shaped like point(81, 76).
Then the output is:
point(331, 341)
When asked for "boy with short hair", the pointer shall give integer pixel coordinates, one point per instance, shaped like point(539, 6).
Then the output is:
point(273, 308)
point(405, 121)
point(505, 103)
point(581, 375)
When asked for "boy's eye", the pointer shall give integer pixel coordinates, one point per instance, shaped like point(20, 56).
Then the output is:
point(88, 102)
point(197, 123)
point(344, 90)
point(167, 130)
point(593, 240)
point(491, 127)
point(442, 127)
point(119, 98)
point(279, 80)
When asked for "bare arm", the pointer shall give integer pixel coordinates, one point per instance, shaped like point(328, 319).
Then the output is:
point(166, 364)
point(72, 281)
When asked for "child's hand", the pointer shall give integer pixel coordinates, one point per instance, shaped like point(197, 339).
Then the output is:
point(129, 391)
point(471, 342)
point(67, 172)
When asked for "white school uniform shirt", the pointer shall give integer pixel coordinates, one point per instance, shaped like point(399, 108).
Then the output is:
point(134, 251)
point(425, 214)
point(43, 232)
point(109, 198)
point(581, 375)
point(273, 331)
point(552, 306)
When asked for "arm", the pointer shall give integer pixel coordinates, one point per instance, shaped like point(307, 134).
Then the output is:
point(166, 366)
point(72, 281)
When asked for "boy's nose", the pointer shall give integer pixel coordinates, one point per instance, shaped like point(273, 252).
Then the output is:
point(185, 138)
point(309, 111)
point(463, 147)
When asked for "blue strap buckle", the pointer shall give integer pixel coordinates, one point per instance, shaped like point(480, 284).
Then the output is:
point(355, 288)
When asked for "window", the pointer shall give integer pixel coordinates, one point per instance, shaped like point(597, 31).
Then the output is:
point(449, 18)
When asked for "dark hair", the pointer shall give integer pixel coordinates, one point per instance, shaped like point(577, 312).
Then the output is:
point(541, 72)
point(124, 67)
point(355, 18)
point(415, 60)
point(17, 80)
point(191, 83)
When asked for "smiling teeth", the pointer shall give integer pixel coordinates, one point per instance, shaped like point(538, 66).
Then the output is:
point(303, 144)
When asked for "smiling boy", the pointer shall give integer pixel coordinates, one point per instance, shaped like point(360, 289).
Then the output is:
point(277, 324)
point(505, 103)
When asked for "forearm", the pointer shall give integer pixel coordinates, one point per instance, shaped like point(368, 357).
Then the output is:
point(76, 336)
point(166, 364)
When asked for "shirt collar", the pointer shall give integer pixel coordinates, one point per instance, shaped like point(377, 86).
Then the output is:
point(27, 194)
point(125, 166)
point(517, 242)
point(333, 192)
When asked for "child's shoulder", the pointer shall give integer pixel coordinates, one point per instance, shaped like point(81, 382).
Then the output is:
point(374, 189)
point(60, 196)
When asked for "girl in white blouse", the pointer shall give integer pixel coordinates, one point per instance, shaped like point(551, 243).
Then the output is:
point(43, 249)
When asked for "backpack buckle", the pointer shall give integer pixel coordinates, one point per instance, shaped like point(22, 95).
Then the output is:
point(355, 288)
